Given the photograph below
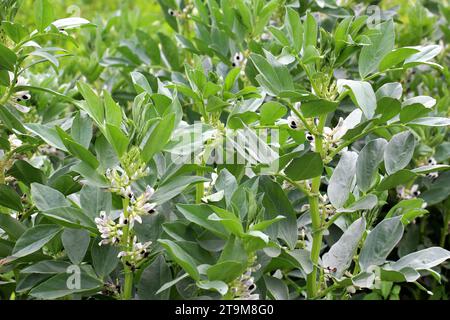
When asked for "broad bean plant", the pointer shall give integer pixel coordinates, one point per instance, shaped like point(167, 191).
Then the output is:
point(224, 149)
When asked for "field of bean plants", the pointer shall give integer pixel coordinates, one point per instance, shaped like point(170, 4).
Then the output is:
point(224, 150)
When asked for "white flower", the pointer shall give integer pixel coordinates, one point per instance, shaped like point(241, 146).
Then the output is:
point(141, 206)
point(243, 287)
point(432, 162)
point(110, 231)
point(138, 252)
point(119, 181)
point(172, 13)
point(237, 60)
point(14, 142)
point(411, 193)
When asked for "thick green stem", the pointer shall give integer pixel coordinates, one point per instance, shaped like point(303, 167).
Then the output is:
point(316, 220)
point(199, 189)
point(128, 284)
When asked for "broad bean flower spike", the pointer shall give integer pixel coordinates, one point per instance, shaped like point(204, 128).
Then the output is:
point(119, 232)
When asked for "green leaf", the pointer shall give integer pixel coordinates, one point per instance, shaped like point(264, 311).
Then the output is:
point(421, 260)
point(152, 278)
point(26, 173)
point(34, 239)
point(341, 180)
point(387, 108)
point(305, 167)
point(10, 121)
point(15, 31)
point(170, 51)
point(94, 199)
point(395, 57)
point(81, 130)
point(104, 258)
point(399, 151)
point(400, 177)
point(392, 90)
point(199, 214)
point(113, 112)
point(274, 76)
point(341, 253)
point(46, 198)
point(369, 158)
point(180, 256)
point(70, 23)
point(275, 202)
point(158, 137)
point(431, 168)
point(341, 35)
point(315, 108)
point(118, 140)
point(362, 95)
point(225, 271)
point(47, 267)
point(57, 286)
point(276, 287)
point(76, 243)
point(431, 122)
point(294, 28)
point(271, 111)
point(366, 202)
point(12, 227)
point(77, 149)
point(425, 54)
point(380, 242)
point(9, 198)
point(43, 14)
point(382, 43)
point(174, 187)
point(48, 134)
point(218, 286)
point(93, 105)
point(310, 33)
point(228, 219)
point(7, 58)
point(140, 83)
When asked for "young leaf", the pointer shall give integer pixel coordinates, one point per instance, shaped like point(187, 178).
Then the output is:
point(382, 43)
point(43, 13)
point(158, 137)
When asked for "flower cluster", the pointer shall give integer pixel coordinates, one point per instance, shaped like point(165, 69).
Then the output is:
point(111, 232)
point(136, 253)
point(432, 175)
point(324, 205)
point(20, 97)
point(121, 233)
point(243, 287)
point(408, 193)
point(140, 206)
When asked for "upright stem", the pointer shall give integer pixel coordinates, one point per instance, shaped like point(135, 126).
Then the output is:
point(316, 220)
point(199, 189)
point(128, 285)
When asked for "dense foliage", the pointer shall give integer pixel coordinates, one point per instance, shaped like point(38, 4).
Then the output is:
point(224, 149)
